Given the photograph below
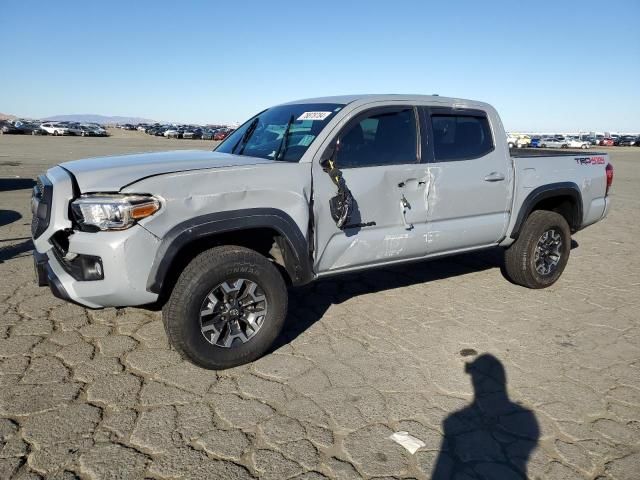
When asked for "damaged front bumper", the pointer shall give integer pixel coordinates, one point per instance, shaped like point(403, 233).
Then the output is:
point(124, 257)
point(93, 269)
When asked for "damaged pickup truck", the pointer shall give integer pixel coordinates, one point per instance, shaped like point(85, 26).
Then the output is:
point(302, 191)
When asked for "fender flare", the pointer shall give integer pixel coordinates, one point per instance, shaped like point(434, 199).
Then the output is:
point(295, 251)
point(560, 189)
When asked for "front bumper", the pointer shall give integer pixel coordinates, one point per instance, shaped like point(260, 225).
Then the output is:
point(126, 260)
point(126, 256)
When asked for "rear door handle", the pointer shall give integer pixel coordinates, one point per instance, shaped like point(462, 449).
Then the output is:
point(494, 177)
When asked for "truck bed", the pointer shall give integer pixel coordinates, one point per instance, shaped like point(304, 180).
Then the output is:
point(551, 152)
point(582, 170)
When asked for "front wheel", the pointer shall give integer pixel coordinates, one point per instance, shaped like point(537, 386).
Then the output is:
point(540, 254)
point(227, 308)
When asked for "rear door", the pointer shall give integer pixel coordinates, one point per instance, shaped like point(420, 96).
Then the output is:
point(380, 157)
point(471, 177)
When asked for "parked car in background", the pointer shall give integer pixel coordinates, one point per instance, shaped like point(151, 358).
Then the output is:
point(98, 130)
point(37, 130)
point(607, 142)
point(55, 129)
point(172, 133)
point(195, 133)
point(535, 142)
point(75, 129)
point(208, 134)
point(575, 142)
point(627, 141)
point(221, 134)
point(512, 140)
point(553, 142)
point(18, 127)
point(524, 141)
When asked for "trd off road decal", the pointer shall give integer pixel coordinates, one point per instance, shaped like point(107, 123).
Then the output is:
point(590, 160)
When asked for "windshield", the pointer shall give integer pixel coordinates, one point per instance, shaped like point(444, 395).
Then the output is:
point(263, 135)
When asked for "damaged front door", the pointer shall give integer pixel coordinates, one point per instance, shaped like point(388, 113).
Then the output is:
point(377, 157)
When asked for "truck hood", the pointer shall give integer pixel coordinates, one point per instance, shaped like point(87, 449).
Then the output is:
point(110, 174)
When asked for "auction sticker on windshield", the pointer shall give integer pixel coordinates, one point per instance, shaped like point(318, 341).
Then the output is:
point(314, 115)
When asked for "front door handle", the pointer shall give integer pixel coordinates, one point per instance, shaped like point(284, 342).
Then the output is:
point(494, 177)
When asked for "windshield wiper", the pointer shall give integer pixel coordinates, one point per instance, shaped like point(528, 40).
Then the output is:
point(284, 143)
point(245, 138)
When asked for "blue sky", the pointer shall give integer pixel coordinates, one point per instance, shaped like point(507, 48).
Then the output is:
point(550, 65)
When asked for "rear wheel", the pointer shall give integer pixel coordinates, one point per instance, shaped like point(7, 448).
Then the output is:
point(540, 254)
point(227, 308)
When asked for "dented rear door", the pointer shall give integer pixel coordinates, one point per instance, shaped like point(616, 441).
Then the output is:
point(471, 180)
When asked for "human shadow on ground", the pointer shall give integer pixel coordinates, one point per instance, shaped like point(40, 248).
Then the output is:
point(8, 184)
point(493, 437)
point(308, 304)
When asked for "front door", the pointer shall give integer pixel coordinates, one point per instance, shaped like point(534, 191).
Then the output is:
point(379, 155)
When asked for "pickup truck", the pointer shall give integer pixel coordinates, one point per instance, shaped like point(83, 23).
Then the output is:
point(303, 191)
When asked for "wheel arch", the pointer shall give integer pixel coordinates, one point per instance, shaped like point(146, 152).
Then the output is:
point(256, 228)
point(564, 198)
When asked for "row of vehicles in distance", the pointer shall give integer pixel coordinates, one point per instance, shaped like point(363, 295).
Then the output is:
point(583, 141)
point(25, 127)
point(207, 132)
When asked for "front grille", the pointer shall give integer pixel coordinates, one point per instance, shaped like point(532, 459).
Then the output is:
point(41, 198)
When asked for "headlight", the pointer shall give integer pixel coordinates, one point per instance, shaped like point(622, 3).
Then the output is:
point(113, 212)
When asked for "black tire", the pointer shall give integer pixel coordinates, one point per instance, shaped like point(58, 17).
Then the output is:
point(181, 313)
point(55, 133)
point(520, 257)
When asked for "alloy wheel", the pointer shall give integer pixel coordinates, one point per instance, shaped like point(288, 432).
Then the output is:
point(233, 312)
point(548, 252)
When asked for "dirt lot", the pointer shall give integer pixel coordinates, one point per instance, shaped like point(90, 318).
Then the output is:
point(99, 394)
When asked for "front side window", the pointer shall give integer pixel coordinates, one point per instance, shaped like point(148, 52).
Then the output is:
point(280, 133)
point(460, 137)
point(385, 138)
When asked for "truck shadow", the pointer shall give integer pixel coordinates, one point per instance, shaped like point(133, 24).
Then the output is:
point(9, 184)
point(308, 304)
point(13, 251)
point(7, 217)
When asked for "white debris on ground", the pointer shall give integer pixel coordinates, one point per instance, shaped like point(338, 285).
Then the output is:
point(411, 443)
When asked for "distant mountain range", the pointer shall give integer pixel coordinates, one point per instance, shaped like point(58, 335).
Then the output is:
point(6, 116)
point(101, 119)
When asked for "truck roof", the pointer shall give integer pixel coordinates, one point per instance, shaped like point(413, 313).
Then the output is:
point(346, 99)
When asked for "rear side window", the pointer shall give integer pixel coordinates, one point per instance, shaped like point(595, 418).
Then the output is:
point(387, 137)
point(460, 137)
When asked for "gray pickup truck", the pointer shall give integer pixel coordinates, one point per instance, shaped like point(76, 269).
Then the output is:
point(302, 191)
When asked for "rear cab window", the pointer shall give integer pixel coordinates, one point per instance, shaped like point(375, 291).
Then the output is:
point(458, 134)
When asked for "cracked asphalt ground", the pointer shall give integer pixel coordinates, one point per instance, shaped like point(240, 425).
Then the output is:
point(100, 394)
